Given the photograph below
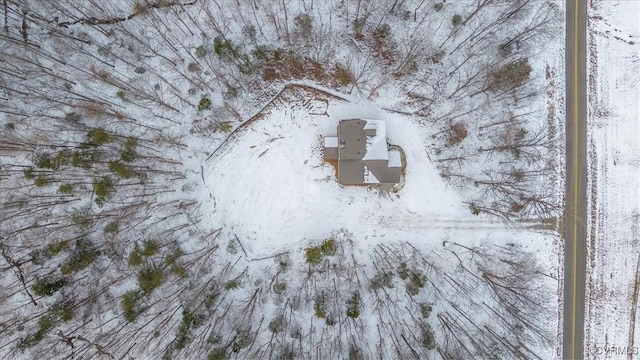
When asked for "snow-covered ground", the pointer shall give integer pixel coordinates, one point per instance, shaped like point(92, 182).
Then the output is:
point(270, 188)
point(274, 189)
point(614, 163)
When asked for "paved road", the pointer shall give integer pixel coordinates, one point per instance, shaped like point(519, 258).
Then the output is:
point(575, 217)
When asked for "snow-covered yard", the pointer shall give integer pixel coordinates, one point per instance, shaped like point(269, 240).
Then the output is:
point(614, 161)
point(272, 187)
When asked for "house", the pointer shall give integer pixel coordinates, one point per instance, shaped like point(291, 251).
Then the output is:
point(362, 154)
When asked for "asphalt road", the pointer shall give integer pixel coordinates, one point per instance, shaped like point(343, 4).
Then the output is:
point(575, 216)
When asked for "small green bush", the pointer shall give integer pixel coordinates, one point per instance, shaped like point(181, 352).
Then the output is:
point(201, 51)
point(315, 254)
point(82, 256)
point(46, 323)
point(28, 173)
point(231, 285)
point(65, 189)
point(403, 271)
point(129, 154)
point(223, 47)
point(122, 170)
point(149, 248)
point(475, 210)
point(179, 271)
point(54, 249)
point(320, 306)
point(437, 57)
point(219, 353)
point(130, 307)
point(73, 117)
point(135, 259)
point(174, 256)
point(425, 310)
point(189, 321)
point(82, 159)
point(64, 311)
point(382, 32)
point(277, 324)
point(102, 188)
point(354, 304)
point(47, 286)
point(112, 228)
point(44, 161)
point(418, 278)
point(456, 20)
point(262, 54)
point(427, 338)
point(381, 280)
point(193, 67)
point(283, 262)
point(149, 279)
point(204, 104)
point(63, 157)
point(249, 31)
point(121, 95)
point(41, 180)
point(82, 220)
point(279, 288)
point(438, 6)
point(140, 70)
point(98, 136)
point(358, 26)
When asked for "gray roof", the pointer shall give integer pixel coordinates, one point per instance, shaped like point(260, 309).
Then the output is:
point(352, 148)
point(382, 172)
point(353, 139)
point(350, 171)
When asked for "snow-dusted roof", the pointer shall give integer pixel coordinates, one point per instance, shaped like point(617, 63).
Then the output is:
point(376, 145)
point(394, 158)
point(331, 141)
point(369, 178)
point(370, 125)
point(363, 155)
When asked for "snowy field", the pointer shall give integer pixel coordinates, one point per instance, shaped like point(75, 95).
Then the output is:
point(614, 162)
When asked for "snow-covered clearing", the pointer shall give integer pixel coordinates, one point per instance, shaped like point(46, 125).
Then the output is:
point(614, 162)
point(272, 187)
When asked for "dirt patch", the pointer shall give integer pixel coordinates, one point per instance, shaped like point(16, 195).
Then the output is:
point(294, 68)
point(334, 164)
point(403, 171)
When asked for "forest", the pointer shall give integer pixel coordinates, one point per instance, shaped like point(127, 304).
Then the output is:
point(109, 109)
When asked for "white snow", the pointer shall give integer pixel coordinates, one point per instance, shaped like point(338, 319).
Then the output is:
point(369, 178)
point(330, 141)
point(395, 159)
point(614, 161)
